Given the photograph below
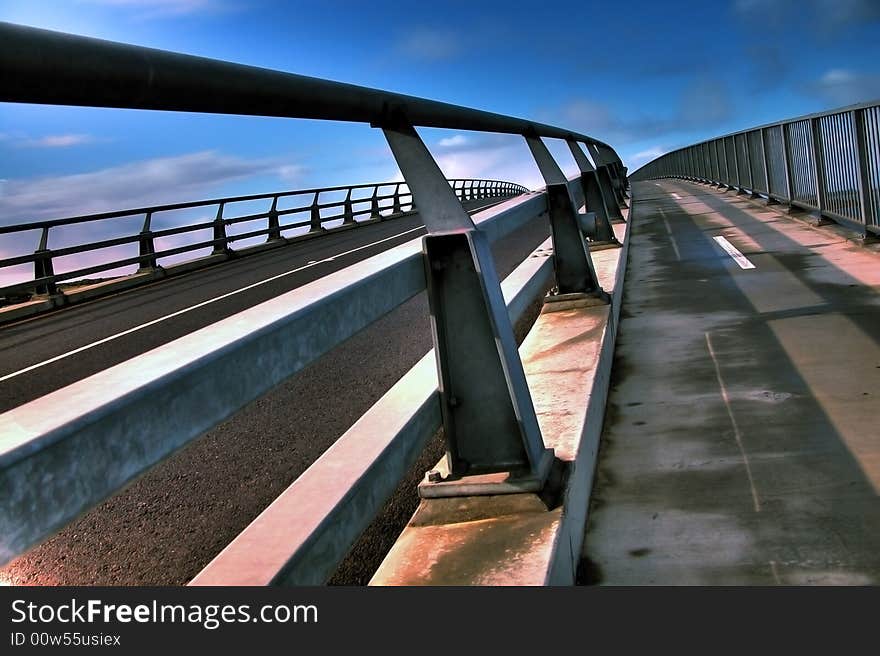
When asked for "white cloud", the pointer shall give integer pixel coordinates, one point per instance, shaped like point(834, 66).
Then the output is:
point(431, 44)
point(844, 87)
point(453, 141)
point(148, 182)
point(291, 172)
point(58, 141)
point(20, 140)
point(635, 160)
point(497, 157)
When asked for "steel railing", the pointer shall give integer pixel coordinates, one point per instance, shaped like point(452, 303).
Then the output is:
point(826, 163)
point(311, 212)
point(63, 453)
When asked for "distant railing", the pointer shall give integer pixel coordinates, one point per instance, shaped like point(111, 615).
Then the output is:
point(63, 453)
point(826, 163)
point(347, 206)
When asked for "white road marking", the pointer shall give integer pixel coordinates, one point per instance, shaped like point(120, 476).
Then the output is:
point(153, 322)
point(737, 435)
point(732, 250)
point(676, 196)
point(671, 236)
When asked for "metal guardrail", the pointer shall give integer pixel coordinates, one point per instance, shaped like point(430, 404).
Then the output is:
point(355, 204)
point(826, 163)
point(65, 452)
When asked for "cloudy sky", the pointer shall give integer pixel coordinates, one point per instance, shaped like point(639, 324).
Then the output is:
point(643, 75)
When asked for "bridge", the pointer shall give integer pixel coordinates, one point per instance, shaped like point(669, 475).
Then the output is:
point(668, 376)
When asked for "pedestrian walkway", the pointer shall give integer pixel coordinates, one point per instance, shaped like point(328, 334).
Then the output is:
point(742, 436)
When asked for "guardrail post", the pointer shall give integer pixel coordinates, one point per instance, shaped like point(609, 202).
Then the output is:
point(786, 164)
point(493, 441)
point(147, 249)
point(614, 182)
point(395, 207)
point(273, 224)
point(347, 211)
point(221, 241)
point(754, 193)
point(374, 204)
point(739, 186)
point(860, 150)
point(818, 166)
point(770, 199)
point(315, 215)
point(724, 182)
point(575, 275)
point(593, 198)
point(612, 204)
point(43, 267)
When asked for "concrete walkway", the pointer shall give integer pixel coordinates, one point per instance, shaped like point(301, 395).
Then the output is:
point(742, 437)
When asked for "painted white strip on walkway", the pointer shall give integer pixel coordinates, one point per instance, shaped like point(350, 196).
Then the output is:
point(756, 502)
point(671, 236)
point(676, 196)
point(197, 306)
point(732, 250)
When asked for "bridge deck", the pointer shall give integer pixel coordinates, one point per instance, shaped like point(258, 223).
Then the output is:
point(741, 443)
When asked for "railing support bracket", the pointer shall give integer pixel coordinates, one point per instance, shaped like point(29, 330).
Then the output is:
point(493, 441)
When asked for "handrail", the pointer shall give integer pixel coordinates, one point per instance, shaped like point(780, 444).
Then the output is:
point(84, 450)
point(827, 163)
point(76, 70)
point(351, 210)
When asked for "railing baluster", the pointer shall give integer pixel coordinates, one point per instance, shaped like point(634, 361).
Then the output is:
point(818, 165)
point(395, 207)
point(273, 225)
point(347, 211)
point(147, 248)
point(43, 266)
point(860, 152)
point(221, 241)
point(315, 215)
point(374, 205)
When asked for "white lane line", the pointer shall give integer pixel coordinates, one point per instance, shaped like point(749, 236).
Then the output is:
point(737, 435)
point(676, 196)
point(732, 250)
point(671, 236)
point(153, 322)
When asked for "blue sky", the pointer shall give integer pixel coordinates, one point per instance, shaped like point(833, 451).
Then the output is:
point(645, 76)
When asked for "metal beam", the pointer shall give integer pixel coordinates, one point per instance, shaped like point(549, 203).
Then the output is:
point(574, 266)
point(594, 199)
point(489, 420)
point(53, 68)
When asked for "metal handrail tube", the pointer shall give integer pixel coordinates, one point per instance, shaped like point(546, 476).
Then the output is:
point(819, 163)
point(52, 68)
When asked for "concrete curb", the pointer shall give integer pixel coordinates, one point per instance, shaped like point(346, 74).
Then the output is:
point(567, 549)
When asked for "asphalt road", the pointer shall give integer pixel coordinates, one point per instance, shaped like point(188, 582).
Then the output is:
point(45, 353)
point(741, 443)
point(163, 528)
